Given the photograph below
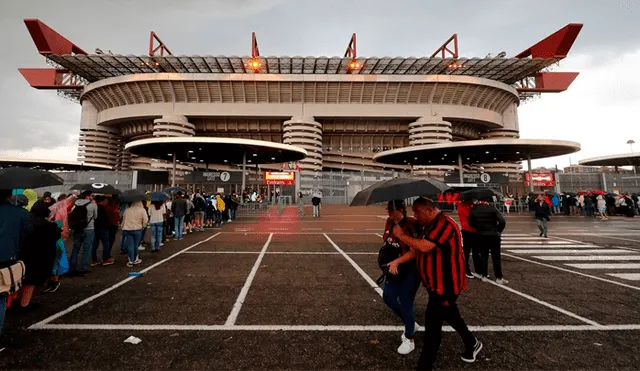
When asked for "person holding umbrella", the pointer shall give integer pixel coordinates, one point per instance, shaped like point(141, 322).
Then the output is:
point(157, 216)
point(134, 222)
point(402, 282)
point(82, 222)
point(489, 223)
point(439, 245)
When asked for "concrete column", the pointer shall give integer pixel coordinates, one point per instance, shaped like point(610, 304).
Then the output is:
point(97, 144)
point(430, 130)
point(305, 132)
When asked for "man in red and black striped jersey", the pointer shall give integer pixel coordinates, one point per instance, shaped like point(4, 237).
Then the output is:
point(441, 265)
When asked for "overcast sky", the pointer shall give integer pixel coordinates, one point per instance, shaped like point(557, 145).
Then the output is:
point(601, 110)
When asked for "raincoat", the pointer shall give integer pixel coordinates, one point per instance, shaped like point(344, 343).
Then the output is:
point(220, 203)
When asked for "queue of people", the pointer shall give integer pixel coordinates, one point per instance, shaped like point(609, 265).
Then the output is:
point(36, 231)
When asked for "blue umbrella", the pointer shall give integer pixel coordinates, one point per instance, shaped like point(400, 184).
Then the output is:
point(158, 197)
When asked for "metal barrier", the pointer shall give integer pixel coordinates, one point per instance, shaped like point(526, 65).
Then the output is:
point(254, 209)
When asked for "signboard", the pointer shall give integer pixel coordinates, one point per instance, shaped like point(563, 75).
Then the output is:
point(279, 178)
point(483, 179)
point(213, 177)
point(152, 177)
point(540, 180)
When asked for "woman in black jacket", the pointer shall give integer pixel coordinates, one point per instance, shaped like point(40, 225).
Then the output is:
point(38, 252)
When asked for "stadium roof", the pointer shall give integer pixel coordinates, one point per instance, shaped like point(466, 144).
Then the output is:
point(50, 164)
point(483, 151)
point(94, 67)
point(216, 150)
point(74, 68)
point(625, 159)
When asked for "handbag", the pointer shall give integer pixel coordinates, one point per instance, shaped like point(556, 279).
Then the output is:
point(11, 278)
point(387, 253)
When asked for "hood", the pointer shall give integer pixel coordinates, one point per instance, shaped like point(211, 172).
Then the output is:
point(136, 204)
point(82, 202)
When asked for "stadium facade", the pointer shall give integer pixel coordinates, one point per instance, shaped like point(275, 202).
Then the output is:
point(342, 110)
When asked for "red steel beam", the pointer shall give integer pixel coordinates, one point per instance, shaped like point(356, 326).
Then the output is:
point(161, 46)
point(556, 45)
point(444, 49)
point(549, 82)
point(255, 52)
point(49, 41)
point(51, 78)
point(352, 51)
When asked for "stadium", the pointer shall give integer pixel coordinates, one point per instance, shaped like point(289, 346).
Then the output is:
point(341, 110)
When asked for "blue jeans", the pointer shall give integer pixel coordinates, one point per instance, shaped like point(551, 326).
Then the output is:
point(178, 224)
point(102, 235)
point(82, 240)
point(156, 235)
point(3, 308)
point(232, 214)
point(399, 295)
point(132, 241)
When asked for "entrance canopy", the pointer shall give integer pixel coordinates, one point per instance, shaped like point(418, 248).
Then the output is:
point(32, 163)
point(215, 150)
point(484, 151)
point(626, 159)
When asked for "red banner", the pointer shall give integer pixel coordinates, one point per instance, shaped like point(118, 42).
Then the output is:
point(279, 178)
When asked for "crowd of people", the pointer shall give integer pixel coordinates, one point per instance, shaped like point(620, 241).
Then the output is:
point(37, 231)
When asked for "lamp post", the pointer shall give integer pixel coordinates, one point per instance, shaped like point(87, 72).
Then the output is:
point(631, 142)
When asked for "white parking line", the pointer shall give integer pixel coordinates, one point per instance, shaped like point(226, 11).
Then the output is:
point(561, 251)
point(626, 276)
point(233, 316)
point(546, 304)
point(332, 328)
point(574, 272)
point(526, 246)
point(113, 287)
point(605, 265)
point(589, 257)
point(366, 277)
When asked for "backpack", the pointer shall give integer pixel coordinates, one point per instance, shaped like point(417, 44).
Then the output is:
point(78, 218)
point(199, 204)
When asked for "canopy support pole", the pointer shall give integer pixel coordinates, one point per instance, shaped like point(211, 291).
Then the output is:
point(173, 171)
point(244, 169)
point(530, 172)
point(460, 168)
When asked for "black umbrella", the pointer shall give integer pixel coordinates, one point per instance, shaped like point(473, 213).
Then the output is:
point(158, 197)
point(20, 177)
point(173, 189)
point(614, 195)
point(399, 189)
point(550, 192)
point(480, 194)
point(133, 195)
point(102, 188)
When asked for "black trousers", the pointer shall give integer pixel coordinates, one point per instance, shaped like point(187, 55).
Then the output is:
point(469, 240)
point(441, 309)
point(489, 245)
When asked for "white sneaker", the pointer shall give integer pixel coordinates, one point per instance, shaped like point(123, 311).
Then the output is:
point(501, 281)
point(138, 261)
point(141, 248)
point(129, 264)
point(407, 346)
point(161, 244)
point(485, 279)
